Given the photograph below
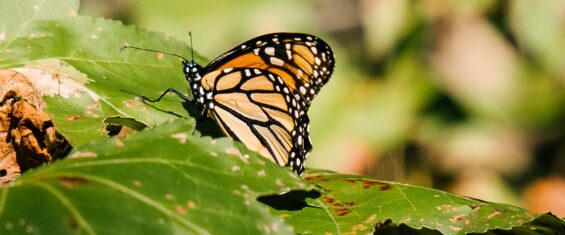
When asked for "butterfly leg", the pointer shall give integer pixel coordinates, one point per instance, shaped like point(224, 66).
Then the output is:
point(178, 93)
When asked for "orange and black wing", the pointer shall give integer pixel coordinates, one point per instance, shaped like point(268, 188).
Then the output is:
point(304, 62)
point(256, 107)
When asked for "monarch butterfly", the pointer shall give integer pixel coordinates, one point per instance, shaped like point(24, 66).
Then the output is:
point(259, 92)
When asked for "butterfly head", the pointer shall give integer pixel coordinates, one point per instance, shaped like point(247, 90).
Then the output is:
point(191, 70)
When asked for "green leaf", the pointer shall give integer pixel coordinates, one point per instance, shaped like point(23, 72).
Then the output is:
point(17, 18)
point(79, 119)
point(358, 204)
point(114, 80)
point(157, 181)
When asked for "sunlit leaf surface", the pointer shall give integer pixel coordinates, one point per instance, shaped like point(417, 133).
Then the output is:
point(356, 204)
point(158, 181)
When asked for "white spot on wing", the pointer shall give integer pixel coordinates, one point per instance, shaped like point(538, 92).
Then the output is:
point(299, 73)
point(270, 51)
point(276, 61)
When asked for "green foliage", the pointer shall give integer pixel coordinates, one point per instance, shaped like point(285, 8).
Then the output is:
point(165, 180)
point(349, 204)
point(142, 185)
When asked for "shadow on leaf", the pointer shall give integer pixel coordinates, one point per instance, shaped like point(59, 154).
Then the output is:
point(291, 201)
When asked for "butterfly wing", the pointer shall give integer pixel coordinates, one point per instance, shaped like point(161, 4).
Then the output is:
point(256, 107)
point(304, 62)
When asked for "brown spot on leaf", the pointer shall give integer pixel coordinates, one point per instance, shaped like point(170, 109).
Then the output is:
point(368, 183)
point(160, 56)
point(385, 187)
point(79, 154)
point(340, 208)
point(135, 103)
point(328, 200)
point(180, 210)
point(233, 151)
point(342, 211)
point(191, 204)
point(69, 182)
point(494, 214)
point(371, 218)
point(73, 117)
point(181, 137)
point(118, 142)
point(90, 109)
point(457, 218)
point(73, 224)
point(358, 227)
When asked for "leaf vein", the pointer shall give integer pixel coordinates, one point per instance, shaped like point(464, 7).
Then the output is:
point(68, 204)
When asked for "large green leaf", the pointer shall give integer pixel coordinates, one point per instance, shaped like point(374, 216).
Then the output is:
point(157, 181)
point(357, 204)
point(114, 80)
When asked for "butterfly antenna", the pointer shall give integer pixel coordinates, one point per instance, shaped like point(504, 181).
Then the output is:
point(144, 49)
point(191, 47)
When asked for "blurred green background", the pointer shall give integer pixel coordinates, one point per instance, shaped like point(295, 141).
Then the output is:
point(465, 96)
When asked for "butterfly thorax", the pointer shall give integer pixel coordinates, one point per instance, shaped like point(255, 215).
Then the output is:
point(193, 73)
